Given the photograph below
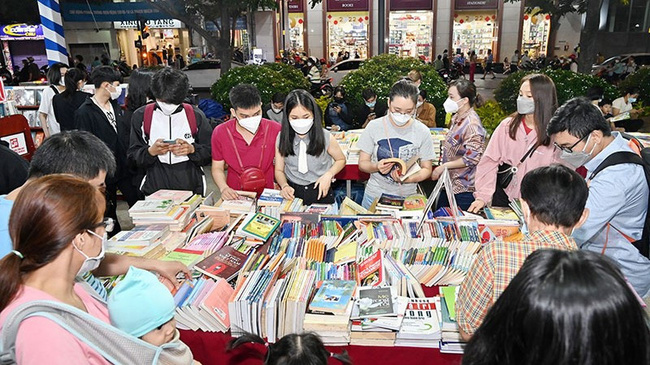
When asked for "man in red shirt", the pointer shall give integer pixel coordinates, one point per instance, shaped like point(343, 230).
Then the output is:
point(247, 140)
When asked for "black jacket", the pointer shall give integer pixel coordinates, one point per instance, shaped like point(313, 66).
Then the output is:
point(64, 108)
point(13, 169)
point(186, 175)
point(345, 116)
point(381, 108)
point(89, 117)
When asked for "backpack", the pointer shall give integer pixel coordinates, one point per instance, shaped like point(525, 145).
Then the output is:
point(114, 345)
point(641, 158)
point(148, 118)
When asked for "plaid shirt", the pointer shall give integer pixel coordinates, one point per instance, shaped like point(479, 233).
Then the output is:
point(497, 263)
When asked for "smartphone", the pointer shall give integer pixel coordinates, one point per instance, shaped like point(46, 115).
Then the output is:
point(169, 141)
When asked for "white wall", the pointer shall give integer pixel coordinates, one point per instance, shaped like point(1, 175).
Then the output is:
point(315, 36)
point(442, 26)
point(264, 34)
point(374, 37)
point(568, 34)
point(510, 30)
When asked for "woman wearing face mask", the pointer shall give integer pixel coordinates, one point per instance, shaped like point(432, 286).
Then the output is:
point(426, 112)
point(518, 145)
point(307, 157)
point(397, 135)
point(68, 241)
point(46, 115)
point(70, 99)
point(464, 144)
point(338, 114)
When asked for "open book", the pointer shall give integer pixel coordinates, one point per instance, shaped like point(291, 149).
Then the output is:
point(406, 168)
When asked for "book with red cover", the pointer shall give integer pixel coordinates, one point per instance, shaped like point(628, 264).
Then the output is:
point(225, 263)
point(371, 270)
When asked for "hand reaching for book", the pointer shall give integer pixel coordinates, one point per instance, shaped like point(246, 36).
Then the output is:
point(323, 185)
point(384, 166)
point(476, 206)
point(287, 192)
point(170, 269)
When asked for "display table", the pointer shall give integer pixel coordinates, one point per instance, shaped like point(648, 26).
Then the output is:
point(351, 173)
point(210, 349)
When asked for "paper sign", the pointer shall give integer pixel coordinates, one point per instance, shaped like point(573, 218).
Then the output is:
point(17, 143)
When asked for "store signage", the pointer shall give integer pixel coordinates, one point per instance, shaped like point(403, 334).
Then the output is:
point(411, 4)
point(17, 143)
point(110, 12)
point(476, 4)
point(239, 25)
point(347, 5)
point(153, 24)
point(296, 6)
point(21, 31)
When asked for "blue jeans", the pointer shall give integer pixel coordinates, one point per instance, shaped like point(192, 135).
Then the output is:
point(463, 200)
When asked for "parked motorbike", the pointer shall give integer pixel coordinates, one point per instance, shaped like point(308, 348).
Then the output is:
point(323, 88)
point(451, 74)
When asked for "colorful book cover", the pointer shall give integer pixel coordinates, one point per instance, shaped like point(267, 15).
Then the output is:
point(415, 202)
point(225, 263)
point(334, 296)
point(178, 196)
point(392, 201)
point(500, 213)
point(187, 257)
point(371, 270)
point(375, 302)
point(155, 206)
point(261, 226)
point(421, 318)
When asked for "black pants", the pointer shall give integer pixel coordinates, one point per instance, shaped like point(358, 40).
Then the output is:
point(309, 195)
point(630, 125)
point(131, 195)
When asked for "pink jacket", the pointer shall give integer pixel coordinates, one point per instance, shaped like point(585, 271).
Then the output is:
point(502, 149)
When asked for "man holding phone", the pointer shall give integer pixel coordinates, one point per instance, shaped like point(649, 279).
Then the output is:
point(170, 140)
point(372, 109)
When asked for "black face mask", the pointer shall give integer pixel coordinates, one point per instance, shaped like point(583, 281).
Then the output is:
point(338, 100)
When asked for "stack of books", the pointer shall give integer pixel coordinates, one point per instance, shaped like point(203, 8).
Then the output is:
point(377, 316)
point(421, 324)
point(450, 338)
point(142, 241)
point(258, 226)
point(243, 205)
point(224, 263)
point(202, 304)
point(329, 312)
point(147, 212)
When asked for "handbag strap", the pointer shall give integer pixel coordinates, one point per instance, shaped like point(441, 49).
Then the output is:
point(232, 140)
point(528, 153)
point(390, 147)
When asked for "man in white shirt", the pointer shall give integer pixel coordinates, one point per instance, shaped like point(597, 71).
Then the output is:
point(624, 105)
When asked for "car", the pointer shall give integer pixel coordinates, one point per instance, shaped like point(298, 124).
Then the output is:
point(339, 70)
point(203, 74)
point(641, 59)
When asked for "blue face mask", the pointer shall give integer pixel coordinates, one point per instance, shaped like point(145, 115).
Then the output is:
point(371, 105)
point(631, 100)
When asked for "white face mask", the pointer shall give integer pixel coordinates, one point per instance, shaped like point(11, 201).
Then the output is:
point(91, 263)
point(450, 106)
point(116, 94)
point(419, 104)
point(166, 108)
point(578, 158)
point(400, 119)
point(251, 124)
point(525, 105)
point(301, 126)
point(62, 82)
point(276, 111)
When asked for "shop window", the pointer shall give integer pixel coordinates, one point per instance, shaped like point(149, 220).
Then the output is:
point(348, 32)
point(411, 34)
point(639, 15)
point(475, 31)
point(535, 34)
point(296, 31)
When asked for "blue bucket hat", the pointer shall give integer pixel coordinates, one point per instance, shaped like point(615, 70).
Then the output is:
point(140, 303)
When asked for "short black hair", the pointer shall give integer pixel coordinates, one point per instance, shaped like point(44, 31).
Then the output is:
point(278, 97)
point(54, 73)
point(79, 153)
point(595, 93)
point(72, 78)
point(423, 94)
point(339, 89)
point(404, 88)
point(170, 85)
point(79, 57)
point(244, 96)
point(556, 195)
point(139, 88)
point(103, 74)
point(604, 102)
point(632, 90)
point(368, 93)
point(578, 117)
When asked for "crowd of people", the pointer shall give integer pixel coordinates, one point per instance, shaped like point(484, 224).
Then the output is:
point(561, 285)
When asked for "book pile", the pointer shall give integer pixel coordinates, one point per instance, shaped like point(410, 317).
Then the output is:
point(377, 316)
point(243, 205)
point(144, 241)
point(147, 212)
point(438, 135)
point(224, 263)
point(258, 226)
point(421, 324)
point(329, 312)
point(202, 304)
point(176, 196)
point(450, 338)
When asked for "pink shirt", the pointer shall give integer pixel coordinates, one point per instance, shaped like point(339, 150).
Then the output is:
point(223, 150)
point(502, 149)
point(41, 341)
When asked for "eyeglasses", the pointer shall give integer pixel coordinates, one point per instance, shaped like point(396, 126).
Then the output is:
point(570, 149)
point(107, 223)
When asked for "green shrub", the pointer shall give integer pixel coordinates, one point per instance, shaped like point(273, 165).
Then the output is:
point(491, 115)
point(640, 79)
point(568, 84)
point(381, 72)
point(268, 78)
point(322, 102)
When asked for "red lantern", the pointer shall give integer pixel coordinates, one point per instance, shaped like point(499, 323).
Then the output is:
point(366, 18)
point(329, 16)
point(461, 21)
point(299, 21)
point(487, 18)
point(360, 20)
point(336, 22)
point(455, 15)
point(526, 17)
point(494, 17)
point(548, 17)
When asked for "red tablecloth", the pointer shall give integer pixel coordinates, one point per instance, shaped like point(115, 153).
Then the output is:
point(351, 172)
point(210, 349)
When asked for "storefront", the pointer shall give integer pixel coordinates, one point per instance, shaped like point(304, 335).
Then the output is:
point(348, 27)
point(166, 37)
point(535, 33)
point(297, 24)
point(475, 27)
point(20, 41)
point(410, 25)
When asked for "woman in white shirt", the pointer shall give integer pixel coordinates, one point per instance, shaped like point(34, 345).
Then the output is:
point(45, 111)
